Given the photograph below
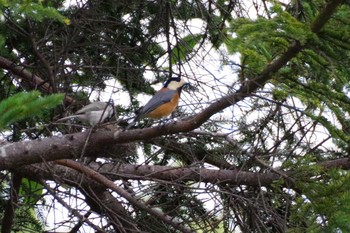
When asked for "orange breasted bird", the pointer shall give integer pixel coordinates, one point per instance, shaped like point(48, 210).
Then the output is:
point(163, 103)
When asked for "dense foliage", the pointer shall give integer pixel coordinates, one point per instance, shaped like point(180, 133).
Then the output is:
point(259, 142)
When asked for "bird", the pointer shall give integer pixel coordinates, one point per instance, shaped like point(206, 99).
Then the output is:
point(163, 103)
point(93, 113)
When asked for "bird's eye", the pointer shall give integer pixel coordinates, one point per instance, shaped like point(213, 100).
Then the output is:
point(177, 79)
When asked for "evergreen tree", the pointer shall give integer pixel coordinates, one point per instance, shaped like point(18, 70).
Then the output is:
point(259, 142)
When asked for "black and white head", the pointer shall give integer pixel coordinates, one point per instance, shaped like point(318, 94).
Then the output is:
point(175, 83)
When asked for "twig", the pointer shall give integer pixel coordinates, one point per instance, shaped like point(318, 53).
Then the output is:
point(76, 213)
point(108, 183)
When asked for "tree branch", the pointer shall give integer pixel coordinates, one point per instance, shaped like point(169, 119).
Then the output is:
point(69, 146)
point(110, 184)
point(45, 62)
point(117, 171)
point(75, 212)
point(34, 81)
point(97, 196)
point(11, 206)
point(168, 173)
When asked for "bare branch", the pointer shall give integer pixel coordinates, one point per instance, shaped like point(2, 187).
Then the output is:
point(108, 183)
point(76, 213)
point(35, 81)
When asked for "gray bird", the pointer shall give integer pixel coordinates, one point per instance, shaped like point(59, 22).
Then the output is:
point(163, 103)
point(93, 113)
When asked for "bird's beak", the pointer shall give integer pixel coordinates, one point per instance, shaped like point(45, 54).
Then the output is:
point(188, 87)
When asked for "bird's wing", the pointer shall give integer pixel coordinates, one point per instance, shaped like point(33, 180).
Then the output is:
point(161, 97)
point(96, 106)
point(158, 99)
point(67, 118)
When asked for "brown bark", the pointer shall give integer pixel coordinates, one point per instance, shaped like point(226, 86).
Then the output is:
point(11, 205)
point(69, 146)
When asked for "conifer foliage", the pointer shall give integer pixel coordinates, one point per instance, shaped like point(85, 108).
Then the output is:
point(259, 142)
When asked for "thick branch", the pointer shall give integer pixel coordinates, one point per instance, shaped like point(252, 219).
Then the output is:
point(325, 15)
point(337, 163)
point(160, 173)
point(167, 173)
point(69, 146)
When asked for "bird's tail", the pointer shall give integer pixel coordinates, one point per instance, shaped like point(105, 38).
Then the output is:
point(133, 122)
point(66, 118)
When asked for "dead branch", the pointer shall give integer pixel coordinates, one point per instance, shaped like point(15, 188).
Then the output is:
point(108, 183)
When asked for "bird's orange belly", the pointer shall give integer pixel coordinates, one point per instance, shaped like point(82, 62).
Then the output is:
point(164, 110)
